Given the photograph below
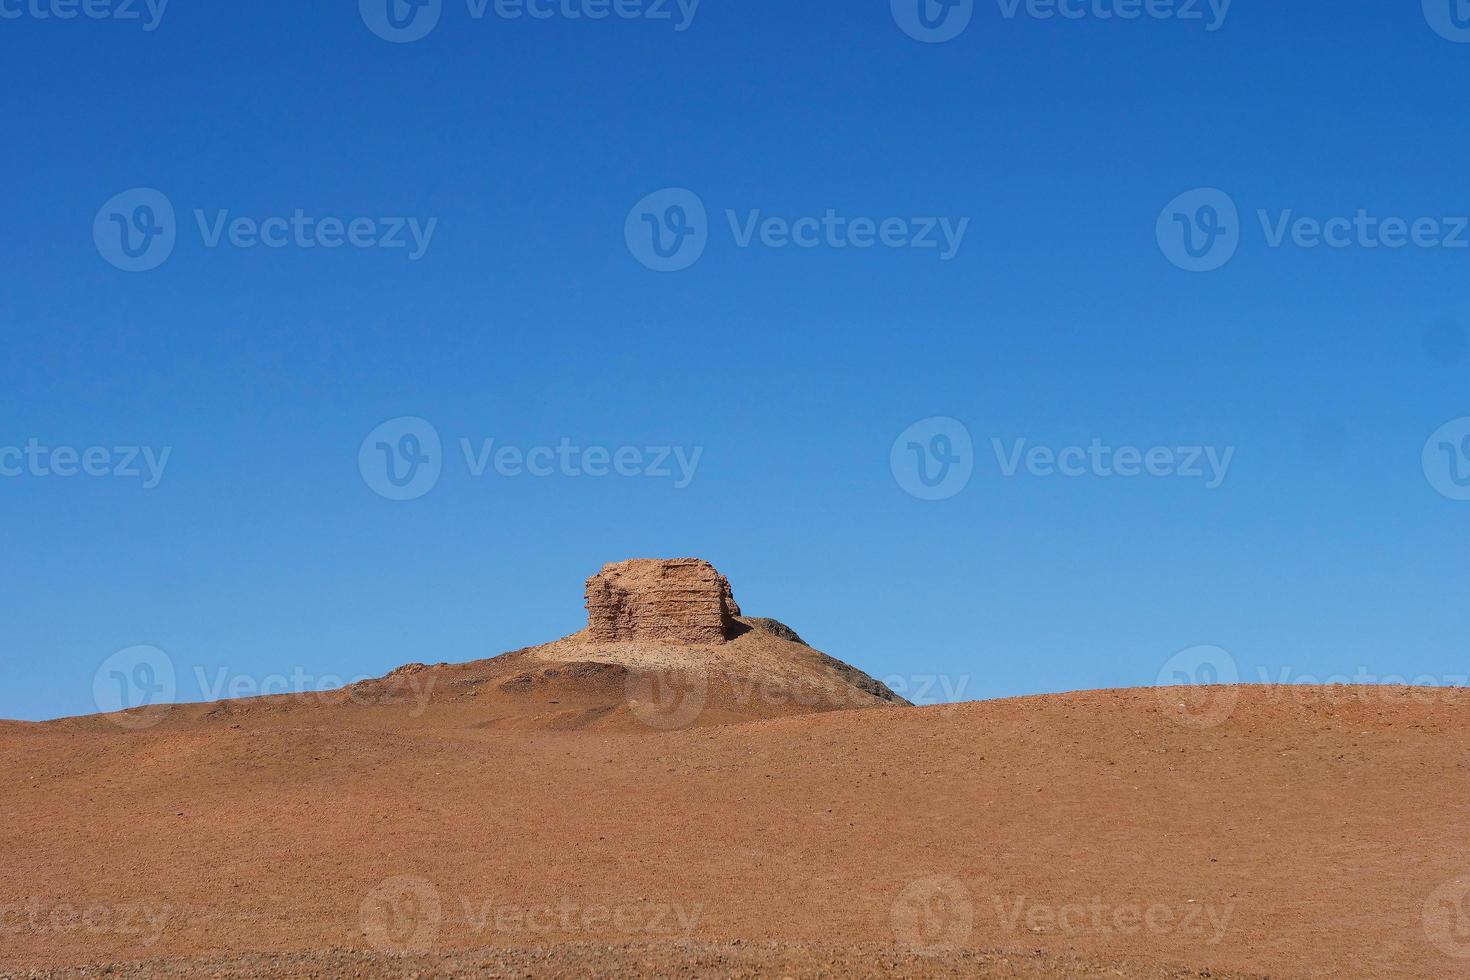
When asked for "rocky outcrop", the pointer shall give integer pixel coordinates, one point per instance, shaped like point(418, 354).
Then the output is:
point(677, 600)
point(777, 629)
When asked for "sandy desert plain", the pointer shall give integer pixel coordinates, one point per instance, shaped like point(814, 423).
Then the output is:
point(681, 790)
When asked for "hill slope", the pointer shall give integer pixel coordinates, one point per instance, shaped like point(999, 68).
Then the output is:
point(575, 683)
point(1312, 833)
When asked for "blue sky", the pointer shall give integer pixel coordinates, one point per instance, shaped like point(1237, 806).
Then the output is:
point(530, 144)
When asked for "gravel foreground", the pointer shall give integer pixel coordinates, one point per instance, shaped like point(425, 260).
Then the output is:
point(1097, 827)
point(727, 961)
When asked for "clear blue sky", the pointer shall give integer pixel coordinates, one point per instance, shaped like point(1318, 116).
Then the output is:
point(528, 319)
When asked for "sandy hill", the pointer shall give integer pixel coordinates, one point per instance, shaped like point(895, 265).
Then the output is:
point(572, 684)
point(666, 648)
point(1311, 833)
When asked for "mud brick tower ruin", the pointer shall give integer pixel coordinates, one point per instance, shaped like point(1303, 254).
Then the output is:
point(677, 600)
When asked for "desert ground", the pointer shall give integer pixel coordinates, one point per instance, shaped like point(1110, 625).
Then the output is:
point(745, 808)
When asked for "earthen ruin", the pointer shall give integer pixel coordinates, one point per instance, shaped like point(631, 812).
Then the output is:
point(676, 600)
